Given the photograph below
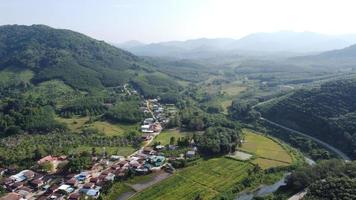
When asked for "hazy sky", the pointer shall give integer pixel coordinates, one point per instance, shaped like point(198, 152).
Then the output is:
point(162, 20)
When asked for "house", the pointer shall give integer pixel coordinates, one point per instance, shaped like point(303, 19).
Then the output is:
point(148, 121)
point(92, 193)
point(94, 180)
point(66, 188)
point(11, 196)
point(72, 182)
point(156, 161)
point(190, 154)
point(89, 185)
point(16, 186)
point(25, 194)
point(54, 161)
point(36, 183)
point(74, 196)
point(147, 128)
point(160, 147)
point(147, 150)
point(146, 136)
point(110, 177)
point(23, 175)
point(116, 157)
point(123, 163)
point(115, 167)
point(2, 171)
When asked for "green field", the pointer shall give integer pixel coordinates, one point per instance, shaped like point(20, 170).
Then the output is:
point(233, 89)
point(76, 124)
point(208, 178)
point(165, 136)
point(116, 190)
point(110, 129)
point(269, 153)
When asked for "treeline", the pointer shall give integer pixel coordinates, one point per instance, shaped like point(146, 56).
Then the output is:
point(23, 150)
point(126, 112)
point(84, 106)
point(220, 135)
point(327, 113)
point(154, 85)
point(331, 179)
point(26, 115)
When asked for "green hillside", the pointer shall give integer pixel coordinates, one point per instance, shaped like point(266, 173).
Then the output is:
point(327, 112)
point(80, 61)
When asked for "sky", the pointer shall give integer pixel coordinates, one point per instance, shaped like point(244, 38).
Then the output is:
point(165, 20)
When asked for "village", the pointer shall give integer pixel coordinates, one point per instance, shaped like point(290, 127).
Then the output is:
point(33, 184)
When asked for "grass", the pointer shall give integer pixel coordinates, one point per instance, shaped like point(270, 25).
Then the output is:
point(75, 123)
point(165, 136)
point(122, 151)
point(269, 153)
point(116, 190)
point(267, 163)
point(207, 178)
point(233, 89)
point(108, 129)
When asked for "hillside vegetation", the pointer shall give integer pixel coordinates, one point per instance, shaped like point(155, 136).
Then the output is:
point(327, 112)
point(78, 60)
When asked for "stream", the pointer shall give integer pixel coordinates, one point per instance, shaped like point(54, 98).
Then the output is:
point(268, 189)
point(263, 190)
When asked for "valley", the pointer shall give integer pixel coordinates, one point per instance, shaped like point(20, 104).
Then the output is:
point(80, 118)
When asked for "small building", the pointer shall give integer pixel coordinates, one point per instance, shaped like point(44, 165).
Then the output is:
point(36, 183)
point(66, 188)
point(74, 196)
point(89, 185)
point(190, 154)
point(92, 193)
point(147, 150)
point(72, 182)
point(54, 161)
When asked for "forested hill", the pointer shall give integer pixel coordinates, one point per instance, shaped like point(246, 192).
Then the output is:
point(338, 58)
point(328, 113)
point(78, 60)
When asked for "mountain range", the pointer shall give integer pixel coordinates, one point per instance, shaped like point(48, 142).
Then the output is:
point(257, 43)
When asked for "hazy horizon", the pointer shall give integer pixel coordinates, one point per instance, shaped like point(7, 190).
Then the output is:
point(168, 20)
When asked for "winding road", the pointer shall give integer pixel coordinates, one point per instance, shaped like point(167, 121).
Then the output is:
point(328, 146)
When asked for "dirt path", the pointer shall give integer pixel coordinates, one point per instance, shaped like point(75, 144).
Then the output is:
point(156, 179)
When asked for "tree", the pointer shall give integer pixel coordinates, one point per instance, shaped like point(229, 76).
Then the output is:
point(172, 140)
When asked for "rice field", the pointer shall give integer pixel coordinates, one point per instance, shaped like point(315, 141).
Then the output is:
point(268, 152)
point(208, 178)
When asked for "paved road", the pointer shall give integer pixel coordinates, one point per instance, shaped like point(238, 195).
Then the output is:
point(331, 148)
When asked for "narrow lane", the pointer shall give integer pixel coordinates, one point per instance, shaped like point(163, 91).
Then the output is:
point(326, 145)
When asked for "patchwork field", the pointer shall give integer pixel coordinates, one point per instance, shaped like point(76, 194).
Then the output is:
point(268, 152)
point(207, 179)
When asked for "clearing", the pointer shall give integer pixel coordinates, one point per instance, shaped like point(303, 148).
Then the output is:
point(165, 136)
point(77, 123)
